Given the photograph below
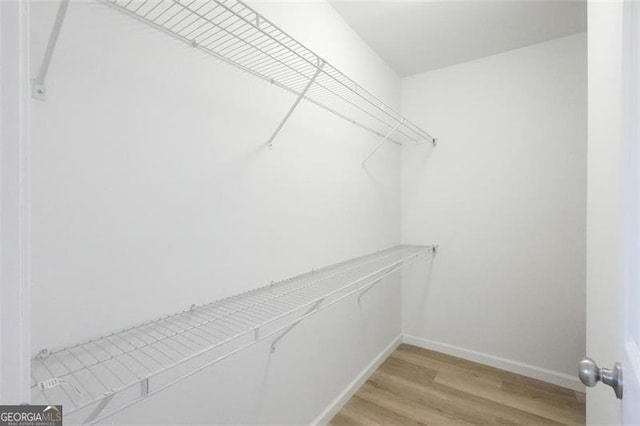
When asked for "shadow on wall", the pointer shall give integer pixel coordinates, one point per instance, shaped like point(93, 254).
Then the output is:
point(366, 305)
point(363, 324)
point(417, 291)
point(418, 157)
point(419, 151)
point(264, 385)
point(415, 166)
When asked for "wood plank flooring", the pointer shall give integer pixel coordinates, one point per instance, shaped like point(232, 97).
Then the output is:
point(416, 386)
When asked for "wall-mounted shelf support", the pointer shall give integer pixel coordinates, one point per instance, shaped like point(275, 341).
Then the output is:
point(372, 284)
point(388, 135)
point(144, 387)
point(286, 331)
point(38, 88)
point(99, 408)
point(295, 104)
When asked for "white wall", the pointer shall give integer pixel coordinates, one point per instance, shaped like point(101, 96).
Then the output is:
point(504, 195)
point(152, 190)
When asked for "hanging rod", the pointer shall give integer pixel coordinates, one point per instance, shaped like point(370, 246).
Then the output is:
point(100, 373)
point(237, 34)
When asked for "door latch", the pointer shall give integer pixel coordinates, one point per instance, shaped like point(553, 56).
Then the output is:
point(590, 375)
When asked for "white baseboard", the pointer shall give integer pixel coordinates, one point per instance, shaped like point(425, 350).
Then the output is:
point(337, 404)
point(549, 376)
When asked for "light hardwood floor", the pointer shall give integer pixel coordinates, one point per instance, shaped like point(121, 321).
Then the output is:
point(416, 386)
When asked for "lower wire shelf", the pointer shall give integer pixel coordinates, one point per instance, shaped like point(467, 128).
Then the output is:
point(115, 370)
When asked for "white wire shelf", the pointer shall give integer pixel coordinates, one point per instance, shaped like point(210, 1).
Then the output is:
point(115, 370)
point(234, 32)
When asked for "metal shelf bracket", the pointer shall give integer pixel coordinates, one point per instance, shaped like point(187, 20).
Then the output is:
point(313, 307)
point(144, 387)
point(99, 408)
point(364, 162)
point(295, 104)
point(38, 88)
point(433, 250)
point(373, 283)
point(432, 140)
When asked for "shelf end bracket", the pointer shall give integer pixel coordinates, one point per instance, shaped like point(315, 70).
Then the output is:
point(372, 284)
point(364, 162)
point(313, 307)
point(295, 104)
point(99, 408)
point(38, 88)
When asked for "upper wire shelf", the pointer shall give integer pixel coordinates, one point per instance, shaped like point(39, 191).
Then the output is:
point(116, 369)
point(234, 32)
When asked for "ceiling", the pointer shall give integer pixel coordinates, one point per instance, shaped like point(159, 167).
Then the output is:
point(418, 36)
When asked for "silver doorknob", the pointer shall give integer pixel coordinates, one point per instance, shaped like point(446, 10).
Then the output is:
point(590, 375)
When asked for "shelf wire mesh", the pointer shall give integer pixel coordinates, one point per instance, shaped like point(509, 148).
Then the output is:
point(234, 32)
point(82, 375)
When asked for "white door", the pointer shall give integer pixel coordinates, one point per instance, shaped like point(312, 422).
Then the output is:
point(613, 231)
point(14, 291)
